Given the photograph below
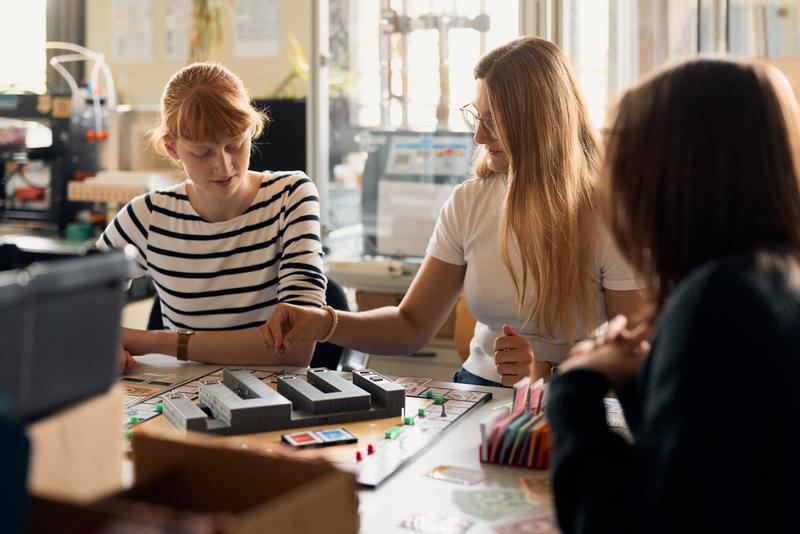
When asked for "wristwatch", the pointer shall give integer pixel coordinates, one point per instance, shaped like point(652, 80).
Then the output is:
point(183, 343)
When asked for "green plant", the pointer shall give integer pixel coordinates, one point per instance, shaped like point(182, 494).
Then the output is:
point(209, 19)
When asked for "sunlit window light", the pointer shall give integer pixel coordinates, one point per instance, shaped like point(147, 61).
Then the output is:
point(22, 46)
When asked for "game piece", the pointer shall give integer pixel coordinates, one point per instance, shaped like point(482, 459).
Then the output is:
point(134, 419)
point(359, 456)
point(438, 399)
point(159, 407)
point(421, 412)
point(370, 449)
point(408, 420)
point(128, 433)
point(429, 394)
point(392, 432)
point(444, 411)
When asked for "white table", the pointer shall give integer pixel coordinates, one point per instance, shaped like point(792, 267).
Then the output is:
point(409, 491)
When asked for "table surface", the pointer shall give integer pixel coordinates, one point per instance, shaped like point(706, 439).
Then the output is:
point(410, 492)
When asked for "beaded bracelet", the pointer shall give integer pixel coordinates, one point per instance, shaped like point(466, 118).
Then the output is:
point(334, 323)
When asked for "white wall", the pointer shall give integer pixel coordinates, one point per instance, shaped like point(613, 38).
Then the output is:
point(142, 82)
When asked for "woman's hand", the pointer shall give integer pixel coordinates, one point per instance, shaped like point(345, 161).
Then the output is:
point(289, 324)
point(513, 356)
point(618, 354)
point(125, 360)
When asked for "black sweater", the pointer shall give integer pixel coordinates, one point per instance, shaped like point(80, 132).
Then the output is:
point(715, 416)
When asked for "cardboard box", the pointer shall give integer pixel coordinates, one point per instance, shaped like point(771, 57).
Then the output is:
point(369, 300)
point(76, 454)
point(202, 487)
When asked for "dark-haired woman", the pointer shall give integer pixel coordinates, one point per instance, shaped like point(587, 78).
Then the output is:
point(702, 195)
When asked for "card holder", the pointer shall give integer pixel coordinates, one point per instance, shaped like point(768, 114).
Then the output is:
point(519, 437)
point(533, 449)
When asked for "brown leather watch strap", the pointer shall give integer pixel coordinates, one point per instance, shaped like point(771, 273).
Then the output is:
point(183, 344)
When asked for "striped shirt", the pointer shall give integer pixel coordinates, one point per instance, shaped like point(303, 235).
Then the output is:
point(226, 275)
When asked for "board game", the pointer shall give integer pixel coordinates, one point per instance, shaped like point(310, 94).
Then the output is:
point(275, 411)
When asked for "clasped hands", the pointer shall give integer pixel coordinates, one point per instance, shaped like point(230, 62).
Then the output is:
point(618, 354)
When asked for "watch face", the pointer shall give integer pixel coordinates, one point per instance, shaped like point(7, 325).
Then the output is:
point(185, 331)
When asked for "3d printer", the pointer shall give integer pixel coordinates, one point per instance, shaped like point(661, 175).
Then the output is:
point(34, 160)
point(46, 140)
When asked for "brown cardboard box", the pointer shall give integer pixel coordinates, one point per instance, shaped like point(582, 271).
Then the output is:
point(76, 454)
point(369, 300)
point(202, 487)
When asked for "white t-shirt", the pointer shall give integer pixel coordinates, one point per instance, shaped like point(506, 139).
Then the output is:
point(467, 233)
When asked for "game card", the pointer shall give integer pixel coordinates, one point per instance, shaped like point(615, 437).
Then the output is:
point(537, 488)
point(139, 390)
point(473, 396)
point(538, 524)
point(433, 523)
point(459, 475)
point(336, 436)
point(302, 439)
point(414, 385)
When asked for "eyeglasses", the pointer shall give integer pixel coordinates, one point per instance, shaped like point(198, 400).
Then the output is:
point(472, 118)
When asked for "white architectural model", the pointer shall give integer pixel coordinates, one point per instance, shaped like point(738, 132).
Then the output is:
point(243, 404)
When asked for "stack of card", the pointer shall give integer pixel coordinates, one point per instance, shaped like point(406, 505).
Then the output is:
point(519, 436)
point(319, 438)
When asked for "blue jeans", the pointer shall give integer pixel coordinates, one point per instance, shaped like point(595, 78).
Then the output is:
point(462, 376)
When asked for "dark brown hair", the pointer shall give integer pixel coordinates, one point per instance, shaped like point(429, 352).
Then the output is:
point(702, 163)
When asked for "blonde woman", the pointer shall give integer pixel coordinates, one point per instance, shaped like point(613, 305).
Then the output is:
point(520, 239)
point(227, 244)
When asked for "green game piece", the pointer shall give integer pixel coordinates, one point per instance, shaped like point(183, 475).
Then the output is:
point(392, 432)
point(408, 420)
point(134, 419)
point(421, 412)
point(159, 407)
point(438, 399)
point(128, 433)
point(429, 394)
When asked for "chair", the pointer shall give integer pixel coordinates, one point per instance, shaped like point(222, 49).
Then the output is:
point(464, 329)
point(330, 355)
point(325, 354)
point(155, 321)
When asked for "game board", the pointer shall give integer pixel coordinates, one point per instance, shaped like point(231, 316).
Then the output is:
point(385, 443)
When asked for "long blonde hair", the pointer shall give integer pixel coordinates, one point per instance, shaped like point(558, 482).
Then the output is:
point(553, 153)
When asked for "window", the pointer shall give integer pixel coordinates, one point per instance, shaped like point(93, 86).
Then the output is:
point(613, 43)
point(22, 41)
point(403, 66)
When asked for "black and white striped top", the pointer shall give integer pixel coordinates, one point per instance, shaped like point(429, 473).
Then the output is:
point(227, 275)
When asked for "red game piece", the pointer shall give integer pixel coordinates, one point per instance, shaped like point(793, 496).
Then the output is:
point(370, 449)
point(359, 457)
